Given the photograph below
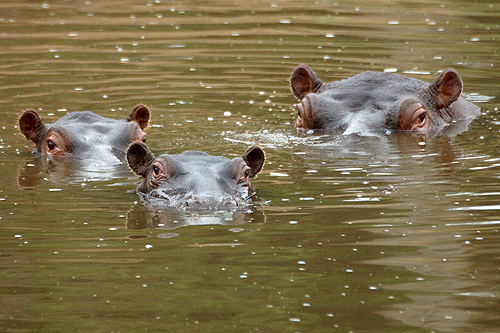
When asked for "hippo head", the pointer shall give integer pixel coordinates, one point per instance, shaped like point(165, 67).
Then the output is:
point(377, 101)
point(85, 135)
point(194, 179)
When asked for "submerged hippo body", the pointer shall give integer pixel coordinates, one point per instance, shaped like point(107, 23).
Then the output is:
point(194, 179)
point(377, 101)
point(85, 135)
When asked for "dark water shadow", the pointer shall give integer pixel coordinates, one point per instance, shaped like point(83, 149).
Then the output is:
point(146, 216)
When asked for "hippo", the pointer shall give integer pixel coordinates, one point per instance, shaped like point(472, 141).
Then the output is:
point(195, 179)
point(373, 101)
point(85, 135)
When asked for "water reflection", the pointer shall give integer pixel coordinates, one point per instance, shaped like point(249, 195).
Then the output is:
point(397, 230)
point(449, 292)
point(146, 216)
point(67, 170)
point(329, 139)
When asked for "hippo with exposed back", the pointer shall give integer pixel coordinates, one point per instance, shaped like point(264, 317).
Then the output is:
point(379, 101)
point(195, 179)
point(85, 135)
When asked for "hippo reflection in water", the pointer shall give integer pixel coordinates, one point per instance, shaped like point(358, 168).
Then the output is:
point(85, 135)
point(194, 179)
point(374, 101)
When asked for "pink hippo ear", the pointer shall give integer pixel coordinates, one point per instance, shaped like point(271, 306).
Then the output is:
point(304, 81)
point(31, 126)
point(139, 158)
point(446, 89)
point(140, 114)
point(254, 157)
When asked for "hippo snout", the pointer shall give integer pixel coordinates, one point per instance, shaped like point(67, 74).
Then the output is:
point(304, 112)
point(210, 203)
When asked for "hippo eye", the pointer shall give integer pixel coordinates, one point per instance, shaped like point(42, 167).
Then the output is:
point(51, 145)
point(158, 170)
point(420, 120)
point(243, 176)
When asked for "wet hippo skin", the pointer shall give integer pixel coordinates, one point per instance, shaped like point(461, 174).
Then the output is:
point(194, 179)
point(375, 101)
point(85, 135)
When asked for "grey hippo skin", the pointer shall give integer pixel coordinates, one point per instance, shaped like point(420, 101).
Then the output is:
point(85, 135)
point(194, 179)
point(379, 101)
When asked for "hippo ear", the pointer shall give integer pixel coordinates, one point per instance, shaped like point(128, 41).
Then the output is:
point(140, 114)
point(254, 157)
point(139, 158)
point(31, 126)
point(446, 89)
point(304, 81)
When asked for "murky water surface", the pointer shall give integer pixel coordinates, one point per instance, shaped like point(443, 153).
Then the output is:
point(384, 232)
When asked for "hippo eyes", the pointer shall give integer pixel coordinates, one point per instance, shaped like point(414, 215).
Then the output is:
point(51, 145)
point(420, 119)
point(157, 170)
point(55, 145)
point(244, 175)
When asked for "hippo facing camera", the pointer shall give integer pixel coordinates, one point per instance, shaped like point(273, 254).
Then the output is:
point(194, 179)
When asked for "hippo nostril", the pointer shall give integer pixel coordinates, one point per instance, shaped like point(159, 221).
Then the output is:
point(300, 109)
point(303, 113)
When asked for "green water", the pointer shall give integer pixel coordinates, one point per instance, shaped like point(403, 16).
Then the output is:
point(386, 233)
